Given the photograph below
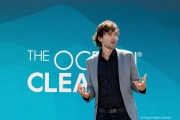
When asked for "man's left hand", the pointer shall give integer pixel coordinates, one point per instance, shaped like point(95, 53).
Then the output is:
point(141, 85)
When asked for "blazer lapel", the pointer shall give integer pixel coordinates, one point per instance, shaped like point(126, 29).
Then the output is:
point(119, 63)
point(95, 68)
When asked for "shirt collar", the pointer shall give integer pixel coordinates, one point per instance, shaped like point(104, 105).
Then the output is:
point(113, 54)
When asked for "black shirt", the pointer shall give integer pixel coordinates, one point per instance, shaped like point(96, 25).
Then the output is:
point(108, 81)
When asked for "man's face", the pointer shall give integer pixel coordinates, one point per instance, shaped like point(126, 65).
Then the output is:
point(109, 40)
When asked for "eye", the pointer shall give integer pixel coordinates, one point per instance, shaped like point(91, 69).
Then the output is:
point(109, 34)
point(116, 34)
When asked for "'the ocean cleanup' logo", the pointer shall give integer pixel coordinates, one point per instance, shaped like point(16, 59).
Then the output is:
point(43, 55)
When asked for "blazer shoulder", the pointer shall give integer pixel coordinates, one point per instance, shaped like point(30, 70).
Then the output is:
point(124, 52)
point(92, 57)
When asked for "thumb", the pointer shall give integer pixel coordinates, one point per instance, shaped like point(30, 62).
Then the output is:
point(144, 78)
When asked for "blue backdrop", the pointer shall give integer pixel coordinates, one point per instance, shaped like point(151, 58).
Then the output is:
point(150, 29)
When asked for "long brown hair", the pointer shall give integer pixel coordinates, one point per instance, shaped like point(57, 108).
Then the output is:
point(104, 27)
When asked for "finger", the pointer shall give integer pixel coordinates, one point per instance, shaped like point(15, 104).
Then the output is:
point(83, 92)
point(144, 78)
point(139, 85)
point(79, 85)
point(136, 84)
point(87, 94)
point(80, 89)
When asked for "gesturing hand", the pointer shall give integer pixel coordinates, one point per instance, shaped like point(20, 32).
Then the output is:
point(141, 85)
point(83, 92)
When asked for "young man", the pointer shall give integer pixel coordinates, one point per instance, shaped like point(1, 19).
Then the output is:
point(112, 75)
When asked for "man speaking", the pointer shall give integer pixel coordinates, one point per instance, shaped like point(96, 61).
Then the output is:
point(112, 75)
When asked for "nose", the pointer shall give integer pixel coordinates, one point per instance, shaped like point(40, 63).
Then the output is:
point(115, 37)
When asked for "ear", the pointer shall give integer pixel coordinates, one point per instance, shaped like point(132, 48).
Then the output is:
point(100, 38)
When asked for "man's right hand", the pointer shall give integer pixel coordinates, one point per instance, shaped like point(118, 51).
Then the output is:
point(83, 92)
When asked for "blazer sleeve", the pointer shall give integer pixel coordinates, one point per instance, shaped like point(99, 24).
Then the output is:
point(89, 83)
point(134, 75)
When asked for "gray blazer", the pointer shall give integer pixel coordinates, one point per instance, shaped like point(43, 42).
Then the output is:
point(127, 73)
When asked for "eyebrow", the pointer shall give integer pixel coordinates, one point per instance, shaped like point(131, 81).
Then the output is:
point(113, 31)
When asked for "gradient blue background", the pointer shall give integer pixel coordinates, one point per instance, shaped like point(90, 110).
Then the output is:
point(151, 27)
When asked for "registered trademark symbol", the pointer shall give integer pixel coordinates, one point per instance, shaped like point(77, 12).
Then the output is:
point(139, 54)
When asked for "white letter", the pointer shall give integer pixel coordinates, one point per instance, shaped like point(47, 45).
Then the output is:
point(36, 55)
point(80, 77)
point(56, 58)
point(47, 89)
point(30, 51)
point(44, 51)
point(135, 58)
point(62, 82)
point(36, 74)
point(77, 59)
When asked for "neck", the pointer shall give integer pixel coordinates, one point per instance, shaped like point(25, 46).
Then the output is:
point(106, 53)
